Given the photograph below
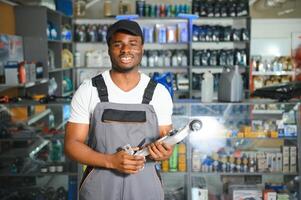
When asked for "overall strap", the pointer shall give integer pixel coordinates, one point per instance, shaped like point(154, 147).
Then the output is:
point(100, 84)
point(149, 91)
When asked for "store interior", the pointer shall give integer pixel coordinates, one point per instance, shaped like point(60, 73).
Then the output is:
point(232, 64)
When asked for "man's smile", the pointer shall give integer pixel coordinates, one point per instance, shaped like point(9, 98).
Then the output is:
point(126, 59)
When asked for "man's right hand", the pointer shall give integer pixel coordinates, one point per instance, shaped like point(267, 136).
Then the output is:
point(125, 163)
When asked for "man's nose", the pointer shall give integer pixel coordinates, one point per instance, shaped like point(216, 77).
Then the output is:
point(125, 48)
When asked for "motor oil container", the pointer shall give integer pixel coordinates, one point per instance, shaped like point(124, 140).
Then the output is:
point(230, 86)
point(207, 87)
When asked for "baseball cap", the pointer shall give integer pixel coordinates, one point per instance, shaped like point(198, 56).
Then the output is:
point(124, 25)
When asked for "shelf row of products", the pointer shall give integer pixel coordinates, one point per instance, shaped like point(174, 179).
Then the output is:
point(157, 33)
point(217, 8)
point(220, 57)
point(210, 33)
point(165, 58)
point(144, 9)
point(264, 161)
point(272, 64)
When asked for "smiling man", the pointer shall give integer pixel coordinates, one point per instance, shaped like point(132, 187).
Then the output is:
point(120, 107)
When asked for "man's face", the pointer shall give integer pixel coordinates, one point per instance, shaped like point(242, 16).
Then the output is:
point(125, 51)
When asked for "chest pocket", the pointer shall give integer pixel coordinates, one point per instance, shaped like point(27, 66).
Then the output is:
point(123, 116)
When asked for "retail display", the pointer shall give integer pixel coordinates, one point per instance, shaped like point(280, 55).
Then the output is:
point(160, 10)
point(271, 71)
point(32, 147)
point(247, 150)
point(220, 57)
point(52, 48)
point(217, 8)
point(219, 33)
point(241, 149)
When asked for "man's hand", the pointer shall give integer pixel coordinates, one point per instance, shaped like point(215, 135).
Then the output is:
point(125, 163)
point(160, 151)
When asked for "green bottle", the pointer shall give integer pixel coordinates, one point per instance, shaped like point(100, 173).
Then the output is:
point(173, 160)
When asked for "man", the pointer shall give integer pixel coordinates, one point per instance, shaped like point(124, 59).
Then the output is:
point(119, 107)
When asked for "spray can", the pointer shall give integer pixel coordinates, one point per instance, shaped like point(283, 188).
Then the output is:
point(207, 87)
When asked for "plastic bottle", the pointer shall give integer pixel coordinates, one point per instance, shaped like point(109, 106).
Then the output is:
point(56, 150)
point(207, 87)
point(22, 73)
point(173, 160)
point(182, 157)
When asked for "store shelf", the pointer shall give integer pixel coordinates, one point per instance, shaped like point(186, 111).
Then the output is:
point(60, 69)
point(25, 85)
point(38, 174)
point(141, 20)
point(218, 45)
point(243, 174)
point(65, 94)
point(183, 69)
point(268, 112)
point(289, 73)
point(220, 42)
point(214, 69)
point(38, 116)
point(61, 125)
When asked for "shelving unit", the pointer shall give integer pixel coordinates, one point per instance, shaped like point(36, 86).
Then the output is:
point(32, 23)
point(30, 150)
point(188, 71)
point(219, 120)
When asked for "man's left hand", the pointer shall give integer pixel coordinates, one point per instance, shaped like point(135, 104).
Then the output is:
point(160, 151)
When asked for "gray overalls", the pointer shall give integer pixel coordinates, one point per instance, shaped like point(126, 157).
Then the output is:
point(112, 126)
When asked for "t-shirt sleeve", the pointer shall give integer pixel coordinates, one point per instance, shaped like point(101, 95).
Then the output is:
point(80, 104)
point(163, 106)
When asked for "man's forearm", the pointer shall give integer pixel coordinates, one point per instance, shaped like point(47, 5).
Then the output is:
point(82, 153)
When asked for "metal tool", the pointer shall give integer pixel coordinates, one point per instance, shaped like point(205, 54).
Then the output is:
point(175, 136)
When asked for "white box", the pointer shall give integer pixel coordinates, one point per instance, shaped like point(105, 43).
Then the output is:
point(199, 194)
point(279, 162)
point(293, 159)
point(239, 194)
point(11, 76)
point(285, 159)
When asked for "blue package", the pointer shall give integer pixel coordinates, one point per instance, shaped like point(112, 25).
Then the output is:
point(165, 79)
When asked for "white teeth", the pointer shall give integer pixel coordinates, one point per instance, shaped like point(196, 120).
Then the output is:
point(125, 59)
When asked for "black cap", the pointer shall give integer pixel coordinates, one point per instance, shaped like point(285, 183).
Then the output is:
point(124, 25)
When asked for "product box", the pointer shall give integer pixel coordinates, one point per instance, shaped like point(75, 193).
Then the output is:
point(271, 160)
point(199, 194)
point(279, 162)
point(254, 194)
point(11, 51)
point(290, 130)
point(293, 159)
point(261, 162)
point(285, 158)
point(269, 195)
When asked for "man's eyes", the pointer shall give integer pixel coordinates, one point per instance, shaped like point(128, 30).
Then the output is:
point(119, 45)
point(134, 43)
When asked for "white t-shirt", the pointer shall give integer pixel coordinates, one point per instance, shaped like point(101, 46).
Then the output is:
point(86, 98)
